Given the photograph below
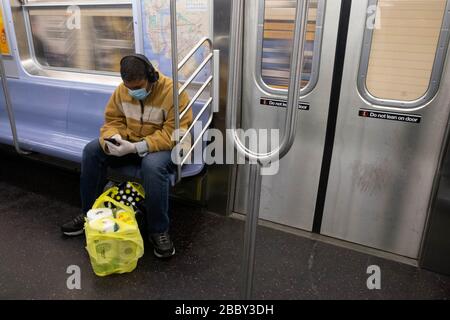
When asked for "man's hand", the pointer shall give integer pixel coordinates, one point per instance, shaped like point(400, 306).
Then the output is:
point(125, 147)
point(117, 137)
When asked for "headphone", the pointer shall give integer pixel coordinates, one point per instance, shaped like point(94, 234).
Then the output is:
point(152, 74)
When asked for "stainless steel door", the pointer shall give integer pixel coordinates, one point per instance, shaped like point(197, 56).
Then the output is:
point(289, 197)
point(382, 168)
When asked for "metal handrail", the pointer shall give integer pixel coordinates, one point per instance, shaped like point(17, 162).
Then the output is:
point(194, 50)
point(293, 93)
point(176, 67)
point(196, 96)
point(176, 104)
point(195, 73)
point(234, 87)
point(9, 109)
point(208, 122)
point(206, 105)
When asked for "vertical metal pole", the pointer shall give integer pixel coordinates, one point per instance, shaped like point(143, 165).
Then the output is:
point(9, 109)
point(216, 81)
point(176, 106)
point(234, 92)
point(251, 224)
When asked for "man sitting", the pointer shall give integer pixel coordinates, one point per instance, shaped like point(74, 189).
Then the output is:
point(139, 124)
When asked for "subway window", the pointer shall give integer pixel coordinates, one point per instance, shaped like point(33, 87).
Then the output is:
point(404, 51)
point(88, 37)
point(277, 38)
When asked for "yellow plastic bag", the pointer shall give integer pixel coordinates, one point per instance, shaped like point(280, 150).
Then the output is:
point(113, 241)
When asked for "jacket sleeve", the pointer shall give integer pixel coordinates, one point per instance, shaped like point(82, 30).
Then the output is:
point(115, 121)
point(164, 139)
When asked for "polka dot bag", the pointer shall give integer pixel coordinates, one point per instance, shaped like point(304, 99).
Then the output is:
point(126, 195)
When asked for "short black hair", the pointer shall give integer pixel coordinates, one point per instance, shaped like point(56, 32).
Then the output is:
point(132, 69)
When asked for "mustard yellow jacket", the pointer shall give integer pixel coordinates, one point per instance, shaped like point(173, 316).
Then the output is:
point(152, 121)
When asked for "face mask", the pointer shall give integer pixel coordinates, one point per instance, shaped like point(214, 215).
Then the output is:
point(139, 94)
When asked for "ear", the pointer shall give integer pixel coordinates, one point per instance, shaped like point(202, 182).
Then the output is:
point(153, 76)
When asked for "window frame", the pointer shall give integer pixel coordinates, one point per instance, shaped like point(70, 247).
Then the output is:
point(29, 33)
point(436, 71)
point(315, 67)
point(27, 66)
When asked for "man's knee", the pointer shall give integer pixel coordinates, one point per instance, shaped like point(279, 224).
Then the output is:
point(155, 164)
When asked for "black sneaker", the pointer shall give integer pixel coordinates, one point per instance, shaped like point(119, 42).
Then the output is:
point(163, 246)
point(74, 227)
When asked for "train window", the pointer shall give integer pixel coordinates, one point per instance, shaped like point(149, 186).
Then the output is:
point(89, 37)
point(404, 51)
point(277, 36)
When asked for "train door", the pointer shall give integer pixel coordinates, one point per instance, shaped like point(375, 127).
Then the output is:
point(373, 118)
point(290, 196)
point(390, 126)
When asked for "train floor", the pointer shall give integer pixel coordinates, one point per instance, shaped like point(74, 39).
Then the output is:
point(37, 197)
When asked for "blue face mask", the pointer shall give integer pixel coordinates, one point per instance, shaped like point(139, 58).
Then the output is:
point(139, 94)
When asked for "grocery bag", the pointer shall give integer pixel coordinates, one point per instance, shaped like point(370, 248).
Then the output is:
point(113, 239)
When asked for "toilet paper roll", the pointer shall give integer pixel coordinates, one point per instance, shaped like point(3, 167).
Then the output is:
point(127, 250)
point(105, 251)
point(104, 225)
point(100, 213)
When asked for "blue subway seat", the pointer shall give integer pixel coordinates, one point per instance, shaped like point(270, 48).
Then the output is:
point(58, 121)
point(53, 119)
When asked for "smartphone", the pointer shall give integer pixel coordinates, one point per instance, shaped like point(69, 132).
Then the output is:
point(112, 140)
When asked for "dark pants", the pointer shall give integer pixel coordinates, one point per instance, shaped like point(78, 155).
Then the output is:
point(155, 171)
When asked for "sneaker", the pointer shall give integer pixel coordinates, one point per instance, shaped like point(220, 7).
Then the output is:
point(163, 246)
point(74, 227)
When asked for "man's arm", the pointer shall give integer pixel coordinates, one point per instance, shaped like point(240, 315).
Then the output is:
point(115, 121)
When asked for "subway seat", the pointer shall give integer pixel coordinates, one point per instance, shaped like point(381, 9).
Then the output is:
point(58, 121)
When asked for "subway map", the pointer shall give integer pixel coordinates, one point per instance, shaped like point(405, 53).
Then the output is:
point(193, 24)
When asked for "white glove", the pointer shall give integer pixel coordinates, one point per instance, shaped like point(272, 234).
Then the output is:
point(125, 147)
point(117, 137)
